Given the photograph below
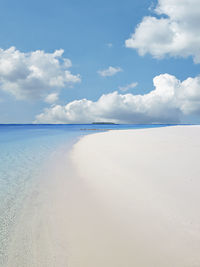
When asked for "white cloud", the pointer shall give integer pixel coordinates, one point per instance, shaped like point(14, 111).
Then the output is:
point(110, 71)
point(33, 75)
point(51, 98)
point(177, 33)
point(128, 86)
point(167, 103)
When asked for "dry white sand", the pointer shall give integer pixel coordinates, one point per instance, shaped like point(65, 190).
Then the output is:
point(128, 199)
point(147, 184)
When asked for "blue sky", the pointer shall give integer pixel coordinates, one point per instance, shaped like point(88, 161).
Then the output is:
point(93, 36)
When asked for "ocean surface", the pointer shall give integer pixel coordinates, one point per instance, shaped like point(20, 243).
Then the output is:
point(24, 149)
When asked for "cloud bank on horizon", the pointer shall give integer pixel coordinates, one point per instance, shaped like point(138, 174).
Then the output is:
point(169, 100)
point(35, 75)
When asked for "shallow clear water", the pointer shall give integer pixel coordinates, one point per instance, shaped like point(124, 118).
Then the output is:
point(23, 151)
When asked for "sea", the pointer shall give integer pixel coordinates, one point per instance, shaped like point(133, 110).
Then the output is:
point(24, 149)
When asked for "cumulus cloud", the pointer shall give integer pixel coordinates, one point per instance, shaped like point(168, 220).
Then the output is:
point(173, 31)
point(128, 86)
point(167, 103)
point(110, 71)
point(35, 74)
point(51, 98)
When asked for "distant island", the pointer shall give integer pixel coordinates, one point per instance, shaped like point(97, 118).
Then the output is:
point(103, 122)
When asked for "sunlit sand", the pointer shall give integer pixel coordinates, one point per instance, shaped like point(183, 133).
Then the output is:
point(121, 198)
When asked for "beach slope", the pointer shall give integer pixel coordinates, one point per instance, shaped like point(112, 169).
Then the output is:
point(143, 195)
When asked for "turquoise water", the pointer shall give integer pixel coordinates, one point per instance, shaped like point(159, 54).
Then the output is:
point(23, 151)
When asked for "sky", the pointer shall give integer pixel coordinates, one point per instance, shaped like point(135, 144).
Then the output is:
point(131, 61)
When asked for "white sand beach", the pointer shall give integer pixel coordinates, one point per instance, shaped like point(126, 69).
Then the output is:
point(128, 198)
point(147, 184)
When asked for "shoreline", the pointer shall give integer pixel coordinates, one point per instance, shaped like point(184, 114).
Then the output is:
point(118, 198)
